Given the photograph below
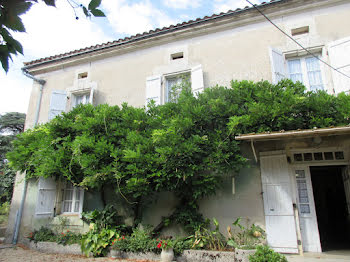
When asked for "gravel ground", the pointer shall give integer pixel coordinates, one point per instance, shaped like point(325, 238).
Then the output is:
point(23, 254)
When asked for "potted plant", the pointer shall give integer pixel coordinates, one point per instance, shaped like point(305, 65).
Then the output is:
point(167, 246)
point(115, 251)
point(245, 239)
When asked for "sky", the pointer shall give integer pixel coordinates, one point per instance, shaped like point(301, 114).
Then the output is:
point(52, 31)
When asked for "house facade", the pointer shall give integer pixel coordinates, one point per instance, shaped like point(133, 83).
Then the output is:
point(276, 192)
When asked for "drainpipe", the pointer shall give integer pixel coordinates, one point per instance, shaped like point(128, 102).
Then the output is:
point(20, 211)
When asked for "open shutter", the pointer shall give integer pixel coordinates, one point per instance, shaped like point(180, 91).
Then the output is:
point(57, 103)
point(91, 97)
point(339, 55)
point(153, 89)
point(46, 198)
point(277, 65)
point(197, 84)
point(278, 205)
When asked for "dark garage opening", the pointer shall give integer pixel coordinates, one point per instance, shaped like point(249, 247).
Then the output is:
point(331, 209)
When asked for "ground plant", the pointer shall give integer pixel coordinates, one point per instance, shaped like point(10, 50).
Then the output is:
point(45, 234)
point(183, 147)
point(245, 237)
point(266, 254)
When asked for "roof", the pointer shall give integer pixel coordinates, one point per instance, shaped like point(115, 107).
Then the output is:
point(145, 35)
point(329, 131)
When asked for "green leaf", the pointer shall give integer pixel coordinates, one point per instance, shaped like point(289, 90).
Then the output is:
point(4, 59)
point(14, 23)
point(86, 12)
point(50, 2)
point(97, 13)
point(94, 4)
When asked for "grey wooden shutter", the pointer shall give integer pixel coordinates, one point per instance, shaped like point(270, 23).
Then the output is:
point(153, 89)
point(339, 55)
point(57, 103)
point(277, 65)
point(46, 197)
point(197, 83)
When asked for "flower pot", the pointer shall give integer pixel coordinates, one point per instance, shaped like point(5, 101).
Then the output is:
point(167, 255)
point(115, 253)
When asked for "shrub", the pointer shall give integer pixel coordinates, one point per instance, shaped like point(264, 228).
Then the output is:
point(45, 234)
point(266, 254)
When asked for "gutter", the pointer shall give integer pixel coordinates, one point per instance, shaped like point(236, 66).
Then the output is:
point(24, 194)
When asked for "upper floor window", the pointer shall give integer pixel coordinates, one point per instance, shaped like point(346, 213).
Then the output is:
point(81, 99)
point(165, 88)
point(306, 70)
point(173, 86)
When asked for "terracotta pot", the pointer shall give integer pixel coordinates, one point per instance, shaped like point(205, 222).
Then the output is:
point(167, 255)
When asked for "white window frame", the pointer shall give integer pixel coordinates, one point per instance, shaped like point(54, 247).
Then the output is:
point(304, 71)
point(186, 75)
point(74, 190)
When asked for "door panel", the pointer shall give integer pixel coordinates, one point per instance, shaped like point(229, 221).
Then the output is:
point(306, 207)
point(278, 205)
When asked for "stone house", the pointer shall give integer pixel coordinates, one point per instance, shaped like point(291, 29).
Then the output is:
point(291, 172)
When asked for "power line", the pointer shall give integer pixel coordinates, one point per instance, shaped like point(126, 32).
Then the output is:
point(295, 41)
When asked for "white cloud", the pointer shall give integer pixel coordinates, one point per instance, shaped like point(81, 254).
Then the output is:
point(50, 31)
point(182, 4)
point(126, 18)
point(225, 5)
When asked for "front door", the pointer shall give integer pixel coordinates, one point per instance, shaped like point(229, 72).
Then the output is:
point(278, 205)
point(306, 207)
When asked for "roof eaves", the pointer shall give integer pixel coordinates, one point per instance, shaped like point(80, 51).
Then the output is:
point(145, 35)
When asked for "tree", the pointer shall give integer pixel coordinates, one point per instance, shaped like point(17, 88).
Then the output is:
point(10, 21)
point(11, 124)
point(184, 147)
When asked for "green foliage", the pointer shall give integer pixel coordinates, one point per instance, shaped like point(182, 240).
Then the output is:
point(206, 238)
point(10, 124)
point(245, 237)
point(105, 218)
point(45, 234)
point(184, 147)
point(96, 242)
point(4, 212)
point(265, 254)
point(139, 241)
point(10, 20)
point(68, 238)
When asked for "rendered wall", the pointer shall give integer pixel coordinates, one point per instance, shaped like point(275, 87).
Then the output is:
point(237, 51)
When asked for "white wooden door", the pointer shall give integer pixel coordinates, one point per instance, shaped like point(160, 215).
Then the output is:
point(278, 205)
point(306, 207)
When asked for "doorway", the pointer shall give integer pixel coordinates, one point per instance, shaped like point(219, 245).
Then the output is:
point(331, 207)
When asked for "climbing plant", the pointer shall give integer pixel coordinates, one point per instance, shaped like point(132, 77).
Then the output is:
point(183, 147)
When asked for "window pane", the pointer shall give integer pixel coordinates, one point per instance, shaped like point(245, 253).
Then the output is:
point(68, 194)
point(87, 98)
point(305, 209)
point(76, 206)
point(295, 73)
point(172, 88)
point(314, 73)
point(67, 206)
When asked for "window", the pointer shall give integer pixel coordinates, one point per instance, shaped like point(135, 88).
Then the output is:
point(72, 199)
point(81, 99)
point(160, 88)
point(307, 71)
point(173, 86)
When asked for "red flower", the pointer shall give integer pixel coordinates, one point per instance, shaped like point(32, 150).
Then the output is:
point(123, 237)
point(159, 245)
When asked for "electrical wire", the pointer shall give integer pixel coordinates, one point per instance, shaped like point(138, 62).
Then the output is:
point(295, 41)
